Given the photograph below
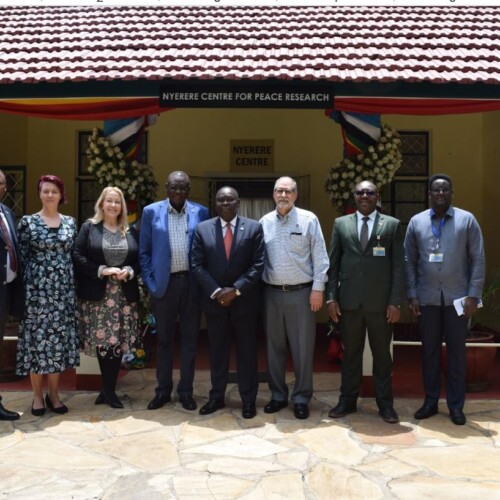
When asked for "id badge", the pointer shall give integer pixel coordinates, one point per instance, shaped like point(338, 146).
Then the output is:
point(378, 251)
point(436, 257)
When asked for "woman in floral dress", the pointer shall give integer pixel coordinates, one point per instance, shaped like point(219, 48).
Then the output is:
point(106, 265)
point(47, 342)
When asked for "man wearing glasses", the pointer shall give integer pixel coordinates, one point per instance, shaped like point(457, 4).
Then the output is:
point(294, 274)
point(166, 238)
point(364, 292)
point(445, 261)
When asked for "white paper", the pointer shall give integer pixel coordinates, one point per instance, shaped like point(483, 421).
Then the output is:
point(459, 305)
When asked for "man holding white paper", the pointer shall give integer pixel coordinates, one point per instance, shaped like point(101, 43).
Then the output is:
point(444, 255)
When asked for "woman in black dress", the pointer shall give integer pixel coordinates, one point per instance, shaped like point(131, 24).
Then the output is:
point(106, 265)
point(47, 342)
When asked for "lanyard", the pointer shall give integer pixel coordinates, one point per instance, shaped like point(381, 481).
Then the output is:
point(437, 231)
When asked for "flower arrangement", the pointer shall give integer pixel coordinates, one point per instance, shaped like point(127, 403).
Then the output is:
point(378, 164)
point(113, 168)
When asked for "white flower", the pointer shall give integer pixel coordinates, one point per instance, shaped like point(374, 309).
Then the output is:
point(379, 164)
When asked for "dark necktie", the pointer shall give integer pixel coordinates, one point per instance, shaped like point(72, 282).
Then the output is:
point(8, 244)
point(228, 240)
point(363, 237)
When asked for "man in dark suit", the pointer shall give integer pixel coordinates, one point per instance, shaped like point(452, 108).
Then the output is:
point(166, 237)
point(228, 260)
point(10, 275)
point(364, 292)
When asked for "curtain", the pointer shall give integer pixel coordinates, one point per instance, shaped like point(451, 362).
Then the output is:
point(255, 208)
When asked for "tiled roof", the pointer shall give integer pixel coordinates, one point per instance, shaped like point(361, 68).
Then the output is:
point(338, 44)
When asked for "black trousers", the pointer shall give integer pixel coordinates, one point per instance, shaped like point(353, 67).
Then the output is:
point(354, 325)
point(438, 323)
point(221, 328)
point(178, 302)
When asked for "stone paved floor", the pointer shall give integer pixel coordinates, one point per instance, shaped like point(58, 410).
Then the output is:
point(98, 452)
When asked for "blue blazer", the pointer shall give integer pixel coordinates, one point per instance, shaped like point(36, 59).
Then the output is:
point(155, 256)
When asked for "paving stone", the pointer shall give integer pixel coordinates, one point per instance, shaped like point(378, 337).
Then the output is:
point(375, 430)
point(332, 442)
point(236, 466)
point(243, 446)
point(418, 487)
point(280, 486)
point(334, 481)
point(474, 462)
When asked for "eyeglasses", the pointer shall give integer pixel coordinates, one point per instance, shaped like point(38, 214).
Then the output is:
point(440, 190)
point(368, 192)
point(178, 189)
point(286, 192)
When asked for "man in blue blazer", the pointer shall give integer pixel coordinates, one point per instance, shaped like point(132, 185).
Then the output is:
point(228, 260)
point(166, 237)
point(364, 292)
point(11, 298)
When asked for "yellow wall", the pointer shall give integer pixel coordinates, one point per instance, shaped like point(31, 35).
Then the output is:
point(306, 142)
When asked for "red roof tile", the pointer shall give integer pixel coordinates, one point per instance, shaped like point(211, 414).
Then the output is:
point(359, 44)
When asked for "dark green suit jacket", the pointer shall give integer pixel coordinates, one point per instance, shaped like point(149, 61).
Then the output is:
point(359, 279)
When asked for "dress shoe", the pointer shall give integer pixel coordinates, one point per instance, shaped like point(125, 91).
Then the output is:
point(37, 412)
point(7, 415)
point(426, 411)
point(56, 409)
point(100, 399)
point(188, 403)
point(342, 409)
point(158, 402)
point(211, 406)
point(389, 415)
point(274, 406)
point(301, 410)
point(248, 410)
point(457, 417)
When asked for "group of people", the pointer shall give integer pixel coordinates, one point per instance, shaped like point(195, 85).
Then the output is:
point(232, 268)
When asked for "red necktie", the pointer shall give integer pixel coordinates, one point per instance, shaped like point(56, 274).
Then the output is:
point(8, 244)
point(228, 240)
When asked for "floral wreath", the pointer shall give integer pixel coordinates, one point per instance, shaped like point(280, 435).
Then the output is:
point(112, 168)
point(378, 164)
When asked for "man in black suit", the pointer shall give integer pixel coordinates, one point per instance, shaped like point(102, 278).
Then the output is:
point(228, 260)
point(364, 292)
point(10, 275)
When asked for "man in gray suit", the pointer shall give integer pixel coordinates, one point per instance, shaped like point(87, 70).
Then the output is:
point(10, 277)
point(364, 292)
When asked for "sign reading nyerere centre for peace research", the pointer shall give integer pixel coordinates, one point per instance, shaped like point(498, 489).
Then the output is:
point(238, 94)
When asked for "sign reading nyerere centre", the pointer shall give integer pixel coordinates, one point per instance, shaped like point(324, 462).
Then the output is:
point(200, 94)
point(252, 155)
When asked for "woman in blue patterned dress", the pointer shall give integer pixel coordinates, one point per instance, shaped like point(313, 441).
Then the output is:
point(47, 343)
point(106, 259)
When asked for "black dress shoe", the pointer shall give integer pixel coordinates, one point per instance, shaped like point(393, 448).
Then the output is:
point(158, 402)
point(389, 415)
point(248, 410)
point(7, 414)
point(188, 403)
point(426, 411)
point(274, 406)
point(301, 410)
point(211, 406)
point(37, 412)
point(61, 410)
point(342, 409)
point(457, 417)
point(100, 399)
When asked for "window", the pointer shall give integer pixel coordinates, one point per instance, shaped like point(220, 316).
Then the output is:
point(406, 195)
point(15, 198)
